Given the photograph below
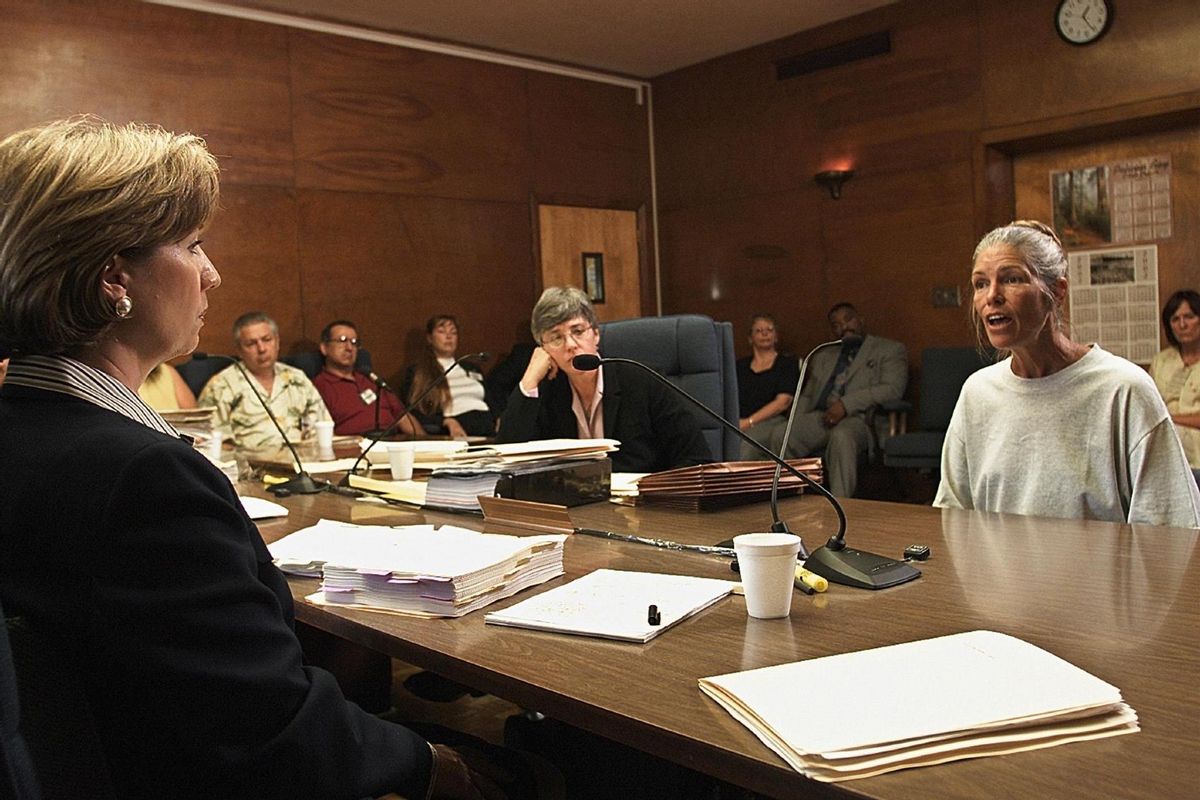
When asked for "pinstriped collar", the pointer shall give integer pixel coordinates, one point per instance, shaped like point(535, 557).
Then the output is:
point(70, 377)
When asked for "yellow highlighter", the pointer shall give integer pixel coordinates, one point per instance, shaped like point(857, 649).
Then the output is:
point(810, 579)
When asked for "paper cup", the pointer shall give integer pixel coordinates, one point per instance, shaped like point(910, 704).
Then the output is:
point(400, 456)
point(324, 436)
point(768, 566)
point(213, 446)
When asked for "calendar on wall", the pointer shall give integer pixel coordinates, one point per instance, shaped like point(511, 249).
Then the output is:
point(1121, 202)
point(1114, 300)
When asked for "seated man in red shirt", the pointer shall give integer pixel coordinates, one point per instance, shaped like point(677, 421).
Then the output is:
point(352, 397)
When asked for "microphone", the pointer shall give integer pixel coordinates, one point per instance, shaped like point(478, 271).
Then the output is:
point(588, 362)
point(303, 483)
point(834, 561)
point(380, 386)
point(484, 356)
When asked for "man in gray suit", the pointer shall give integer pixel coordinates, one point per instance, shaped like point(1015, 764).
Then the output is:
point(844, 387)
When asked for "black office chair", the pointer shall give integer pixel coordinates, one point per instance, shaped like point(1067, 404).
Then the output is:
point(311, 363)
point(17, 777)
point(56, 716)
point(693, 352)
point(944, 370)
point(196, 372)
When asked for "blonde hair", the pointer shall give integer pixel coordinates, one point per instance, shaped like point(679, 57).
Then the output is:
point(75, 193)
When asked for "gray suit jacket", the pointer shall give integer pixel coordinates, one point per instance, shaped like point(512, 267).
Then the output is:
point(879, 374)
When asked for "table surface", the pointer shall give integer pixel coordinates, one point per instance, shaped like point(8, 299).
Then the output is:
point(1120, 601)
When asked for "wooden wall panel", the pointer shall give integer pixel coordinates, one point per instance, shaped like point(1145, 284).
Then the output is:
point(359, 179)
point(252, 243)
point(1178, 259)
point(589, 142)
point(738, 150)
point(739, 258)
point(389, 262)
point(371, 117)
point(123, 61)
point(1030, 74)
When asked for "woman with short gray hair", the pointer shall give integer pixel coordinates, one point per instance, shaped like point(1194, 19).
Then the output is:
point(1058, 428)
point(556, 400)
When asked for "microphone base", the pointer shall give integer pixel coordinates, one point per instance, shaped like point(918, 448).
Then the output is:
point(301, 484)
point(376, 434)
point(851, 567)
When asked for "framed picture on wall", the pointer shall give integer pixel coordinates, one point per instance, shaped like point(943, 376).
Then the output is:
point(593, 276)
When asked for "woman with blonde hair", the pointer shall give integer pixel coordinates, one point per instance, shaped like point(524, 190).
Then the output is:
point(1057, 428)
point(142, 573)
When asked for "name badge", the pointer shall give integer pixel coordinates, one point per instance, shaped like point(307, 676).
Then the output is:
point(368, 396)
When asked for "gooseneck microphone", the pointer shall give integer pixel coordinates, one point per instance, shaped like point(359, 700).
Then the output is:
point(484, 356)
point(380, 386)
point(834, 561)
point(303, 483)
point(780, 526)
point(588, 362)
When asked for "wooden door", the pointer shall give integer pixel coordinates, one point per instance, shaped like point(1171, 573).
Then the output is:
point(596, 250)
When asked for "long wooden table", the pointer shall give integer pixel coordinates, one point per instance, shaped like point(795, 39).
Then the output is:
point(1122, 602)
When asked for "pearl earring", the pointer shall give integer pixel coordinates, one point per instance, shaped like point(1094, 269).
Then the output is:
point(124, 307)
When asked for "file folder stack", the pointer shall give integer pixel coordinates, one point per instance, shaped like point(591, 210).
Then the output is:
point(418, 569)
point(857, 715)
point(726, 483)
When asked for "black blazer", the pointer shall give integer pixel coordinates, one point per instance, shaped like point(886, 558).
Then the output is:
point(135, 551)
point(656, 430)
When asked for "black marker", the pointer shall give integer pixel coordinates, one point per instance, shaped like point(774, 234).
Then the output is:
point(653, 617)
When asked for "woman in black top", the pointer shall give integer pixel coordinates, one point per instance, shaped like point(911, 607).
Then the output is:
point(766, 384)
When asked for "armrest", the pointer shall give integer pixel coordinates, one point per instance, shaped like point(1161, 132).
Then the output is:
point(897, 411)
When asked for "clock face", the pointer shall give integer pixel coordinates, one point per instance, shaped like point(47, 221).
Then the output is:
point(1083, 21)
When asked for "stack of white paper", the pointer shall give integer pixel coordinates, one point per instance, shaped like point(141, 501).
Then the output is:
point(613, 604)
point(909, 705)
point(417, 569)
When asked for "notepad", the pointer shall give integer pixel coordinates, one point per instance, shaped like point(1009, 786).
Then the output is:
point(613, 604)
point(856, 715)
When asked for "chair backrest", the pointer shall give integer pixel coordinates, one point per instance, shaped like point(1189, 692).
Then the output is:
point(944, 370)
point(196, 372)
point(312, 362)
point(56, 716)
point(17, 777)
point(693, 352)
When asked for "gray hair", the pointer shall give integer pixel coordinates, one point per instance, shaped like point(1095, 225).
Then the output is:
point(557, 305)
point(252, 318)
point(1040, 249)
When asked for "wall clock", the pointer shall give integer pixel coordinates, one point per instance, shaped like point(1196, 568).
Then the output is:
point(1082, 22)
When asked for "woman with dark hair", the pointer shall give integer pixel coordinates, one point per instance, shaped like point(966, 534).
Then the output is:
point(456, 406)
point(146, 579)
point(766, 385)
point(1058, 428)
point(1176, 372)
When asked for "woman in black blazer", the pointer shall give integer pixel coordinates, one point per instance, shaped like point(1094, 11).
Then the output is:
point(119, 543)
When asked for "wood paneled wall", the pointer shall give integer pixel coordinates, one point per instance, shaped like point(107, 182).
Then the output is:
point(359, 180)
point(745, 228)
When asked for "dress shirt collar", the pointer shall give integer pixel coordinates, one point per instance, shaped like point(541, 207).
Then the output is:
point(74, 378)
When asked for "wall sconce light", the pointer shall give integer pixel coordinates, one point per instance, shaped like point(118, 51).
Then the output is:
point(832, 179)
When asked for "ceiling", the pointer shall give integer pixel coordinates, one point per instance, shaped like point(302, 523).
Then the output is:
point(637, 38)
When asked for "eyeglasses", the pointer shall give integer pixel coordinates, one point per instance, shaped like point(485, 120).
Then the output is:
point(343, 340)
point(556, 340)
